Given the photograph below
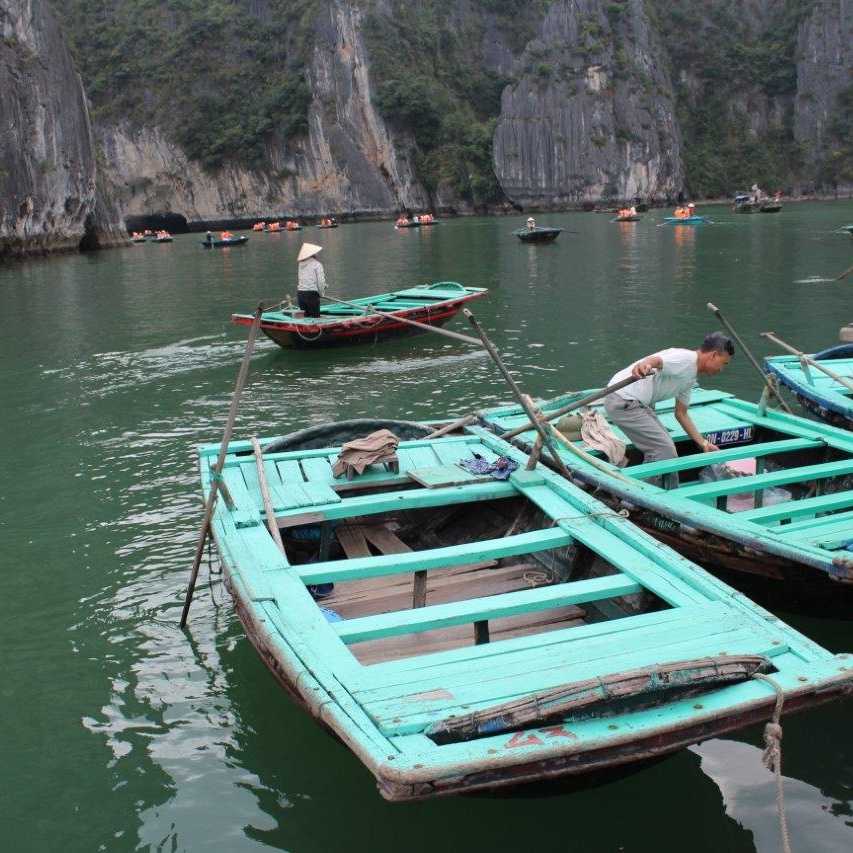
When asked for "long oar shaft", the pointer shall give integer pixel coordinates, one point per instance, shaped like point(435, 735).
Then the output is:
point(525, 404)
point(425, 326)
point(749, 356)
point(577, 404)
point(842, 380)
point(220, 461)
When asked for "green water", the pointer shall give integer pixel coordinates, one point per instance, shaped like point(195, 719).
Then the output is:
point(121, 732)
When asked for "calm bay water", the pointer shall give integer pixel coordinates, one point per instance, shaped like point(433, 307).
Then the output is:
point(122, 732)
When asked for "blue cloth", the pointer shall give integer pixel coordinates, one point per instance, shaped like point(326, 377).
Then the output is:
point(500, 469)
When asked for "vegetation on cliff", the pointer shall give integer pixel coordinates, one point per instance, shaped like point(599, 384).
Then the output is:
point(432, 79)
point(727, 73)
point(225, 78)
point(222, 77)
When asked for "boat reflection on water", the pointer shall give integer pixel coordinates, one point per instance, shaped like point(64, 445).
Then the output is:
point(814, 811)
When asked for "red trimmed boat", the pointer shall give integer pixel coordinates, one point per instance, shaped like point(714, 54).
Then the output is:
point(368, 319)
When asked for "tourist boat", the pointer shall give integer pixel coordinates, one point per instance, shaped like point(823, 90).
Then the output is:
point(537, 234)
point(162, 237)
point(368, 319)
point(458, 631)
point(694, 219)
point(774, 501)
point(224, 242)
point(627, 217)
point(745, 204)
point(416, 222)
point(822, 383)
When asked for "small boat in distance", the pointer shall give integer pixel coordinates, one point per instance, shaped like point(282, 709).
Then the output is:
point(417, 221)
point(223, 241)
point(532, 233)
point(685, 215)
point(368, 319)
point(462, 624)
point(161, 237)
point(627, 214)
point(757, 201)
point(693, 219)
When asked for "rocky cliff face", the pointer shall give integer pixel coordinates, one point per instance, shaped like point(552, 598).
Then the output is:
point(590, 117)
point(824, 64)
point(347, 162)
point(49, 193)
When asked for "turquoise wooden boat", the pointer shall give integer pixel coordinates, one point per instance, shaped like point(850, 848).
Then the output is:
point(775, 501)
point(695, 219)
point(366, 319)
point(480, 632)
point(825, 394)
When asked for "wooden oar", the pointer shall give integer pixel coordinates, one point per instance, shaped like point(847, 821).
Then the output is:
point(749, 356)
point(544, 433)
point(844, 274)
point(216, 471)
point(577, 404)
point(426, 327)
point(804, 359)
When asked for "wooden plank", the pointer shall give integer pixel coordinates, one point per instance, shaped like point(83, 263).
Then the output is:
point(405, 716)
point(292, 496)
point(754, 482)
point(412, 499)
point(246, 512)
point(445, 475)
point(352, 540)
point(480, 609)
point(804, 506)
point(385, 540)
point(408, 675)
point(437, 558)
point(729, 454)
point(816, 523)
point(318, 469)
point(289, 471)
point(623, 555)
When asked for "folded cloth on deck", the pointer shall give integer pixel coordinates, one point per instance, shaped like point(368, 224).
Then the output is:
point(500, 469)
point(356, 455)
point(598, 435)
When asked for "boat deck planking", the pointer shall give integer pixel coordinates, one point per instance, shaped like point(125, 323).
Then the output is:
point(540, 586)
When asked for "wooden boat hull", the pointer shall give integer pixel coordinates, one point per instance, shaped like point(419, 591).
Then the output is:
point(685, 220)
point(226, 243)
point(801, 542)
point(354, 324)
point(634, 218)
point(538, 235)
point(476, 592)
point(823, 397)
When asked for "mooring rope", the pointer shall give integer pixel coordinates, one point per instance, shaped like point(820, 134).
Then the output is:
point(772, 757)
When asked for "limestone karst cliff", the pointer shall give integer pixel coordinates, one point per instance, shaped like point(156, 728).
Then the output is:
point(569, 102)
point(49, 190)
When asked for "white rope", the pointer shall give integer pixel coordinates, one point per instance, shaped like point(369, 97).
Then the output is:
point(772, 757)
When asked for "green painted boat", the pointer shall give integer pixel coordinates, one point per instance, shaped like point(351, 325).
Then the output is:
point(480, 632)
point(822, 383)
point(366, 319)
point(775, 501)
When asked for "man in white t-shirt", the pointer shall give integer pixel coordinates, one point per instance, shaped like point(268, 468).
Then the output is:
point(668, 373)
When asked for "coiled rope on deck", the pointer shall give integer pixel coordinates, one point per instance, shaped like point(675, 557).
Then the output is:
point(772, 757)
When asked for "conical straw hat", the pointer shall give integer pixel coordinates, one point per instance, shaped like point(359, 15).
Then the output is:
point(308, 250)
